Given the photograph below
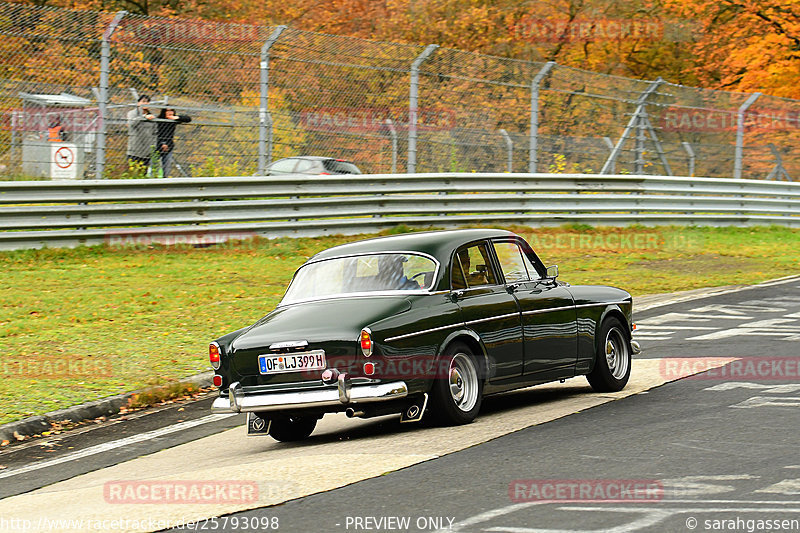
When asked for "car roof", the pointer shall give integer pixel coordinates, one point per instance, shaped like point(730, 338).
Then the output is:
point(314, 158)
point(439, 244)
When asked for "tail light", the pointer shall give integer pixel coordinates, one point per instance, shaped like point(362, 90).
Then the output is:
point(369, 369)
point(366, 342)
point(214, 355)
point(217, 380)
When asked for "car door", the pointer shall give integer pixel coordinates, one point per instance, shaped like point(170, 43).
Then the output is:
point(487, 308)
point(548, 313)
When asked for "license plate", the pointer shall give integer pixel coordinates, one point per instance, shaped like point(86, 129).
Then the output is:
point(292, 362)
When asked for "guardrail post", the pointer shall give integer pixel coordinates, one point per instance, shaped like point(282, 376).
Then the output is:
point(413, 108)
point(102, 104)
point(264, 118)
point(533, 156)
point(393, 135)
point(690, 153)
point(637, 120)
point(738, 157)
point(509, 150)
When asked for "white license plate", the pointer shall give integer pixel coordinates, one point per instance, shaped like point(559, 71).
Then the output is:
point(292, 362)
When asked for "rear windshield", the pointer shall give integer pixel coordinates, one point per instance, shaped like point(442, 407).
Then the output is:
point(340, 167)
point(362, 273)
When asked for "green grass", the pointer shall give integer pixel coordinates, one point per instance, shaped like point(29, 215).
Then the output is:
point(128, 318)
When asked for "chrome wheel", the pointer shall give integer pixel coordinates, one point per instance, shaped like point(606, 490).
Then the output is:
point(463, 382)
point(617, 356)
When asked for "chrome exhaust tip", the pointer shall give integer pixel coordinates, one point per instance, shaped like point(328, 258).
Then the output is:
point(352, 413)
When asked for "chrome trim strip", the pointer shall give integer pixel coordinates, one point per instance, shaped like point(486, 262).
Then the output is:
point(288, 344)
point(489, 319)
point(547, 310)
point(422, 332)
point(601, 303)
point(316, 398)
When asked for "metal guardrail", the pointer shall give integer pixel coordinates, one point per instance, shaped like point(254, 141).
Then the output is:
point(71, 213)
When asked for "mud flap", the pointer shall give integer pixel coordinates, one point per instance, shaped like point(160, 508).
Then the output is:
point(413, 412)
point(257, 425)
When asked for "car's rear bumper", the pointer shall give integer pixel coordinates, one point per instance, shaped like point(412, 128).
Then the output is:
point(345, 394)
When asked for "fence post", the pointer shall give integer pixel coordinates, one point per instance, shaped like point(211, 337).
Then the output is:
point(264, 119)
point(393, 135)
point(738, 158)
point(778, 172)
point(412, 107)
point(509, 149)
point(610, 145)
point(690, 153)
point(637, 120)
point(102, 104)
point(533, 156)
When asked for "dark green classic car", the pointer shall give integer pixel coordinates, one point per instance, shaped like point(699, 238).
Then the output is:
point(416, 324)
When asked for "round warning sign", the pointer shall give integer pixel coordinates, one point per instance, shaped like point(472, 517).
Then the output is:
point(64, 157)
point(64, 161)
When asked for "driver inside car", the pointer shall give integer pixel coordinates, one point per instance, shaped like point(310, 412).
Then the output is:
point(391, 275)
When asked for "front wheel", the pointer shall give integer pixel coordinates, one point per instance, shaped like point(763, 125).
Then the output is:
point(456, 395)
point(612, 367)
point(292, 428)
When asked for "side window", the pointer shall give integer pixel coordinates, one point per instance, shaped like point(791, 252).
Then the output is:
point(304, 165)
point(527, 253)
point(284, 166)
point(472, 268)
point(512, 262)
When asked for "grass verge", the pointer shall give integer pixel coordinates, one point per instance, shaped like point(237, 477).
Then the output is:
point(82, 324)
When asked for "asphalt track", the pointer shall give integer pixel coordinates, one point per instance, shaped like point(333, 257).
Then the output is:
point(723, 447)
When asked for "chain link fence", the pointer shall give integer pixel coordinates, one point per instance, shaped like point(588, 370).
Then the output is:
point(69, 80)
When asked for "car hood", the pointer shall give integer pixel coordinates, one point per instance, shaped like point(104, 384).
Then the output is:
point(339, 319)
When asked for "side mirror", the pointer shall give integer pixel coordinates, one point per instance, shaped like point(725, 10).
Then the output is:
point(552, 271)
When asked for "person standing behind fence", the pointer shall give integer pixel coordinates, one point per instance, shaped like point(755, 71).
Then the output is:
point(141, 136)
point(168, 119)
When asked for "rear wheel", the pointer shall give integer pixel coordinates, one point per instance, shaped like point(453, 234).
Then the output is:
point(292, 429)
point(612, 368)
point(456, 396)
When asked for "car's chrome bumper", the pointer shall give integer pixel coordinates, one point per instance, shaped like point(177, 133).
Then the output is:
point(344, 394)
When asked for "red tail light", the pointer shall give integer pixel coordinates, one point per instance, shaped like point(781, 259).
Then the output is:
point(217, 381)
point(369, 369)
point(366, 342)
point(214, 354)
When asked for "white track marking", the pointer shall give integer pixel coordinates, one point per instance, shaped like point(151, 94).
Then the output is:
point(114, 444)
point(735, 505)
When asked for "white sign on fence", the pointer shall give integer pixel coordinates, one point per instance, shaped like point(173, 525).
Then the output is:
point(63, 163)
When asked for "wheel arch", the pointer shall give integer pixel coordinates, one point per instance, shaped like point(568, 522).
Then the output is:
point(610, 311)
point(473, 340)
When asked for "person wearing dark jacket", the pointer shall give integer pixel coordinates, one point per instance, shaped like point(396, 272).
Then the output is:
point(165, 135)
